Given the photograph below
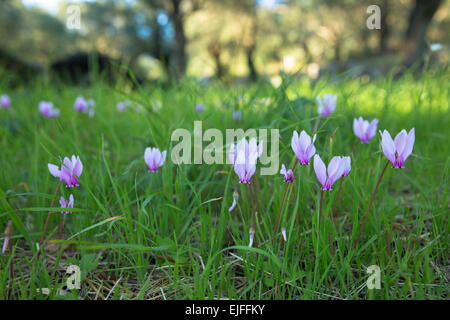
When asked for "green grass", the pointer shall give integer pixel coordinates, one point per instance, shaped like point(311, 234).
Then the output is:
point(169, 235)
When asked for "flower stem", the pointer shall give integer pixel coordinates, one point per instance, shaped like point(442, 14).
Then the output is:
point(61, 226)
point(353, 148)
point(370, 205)
point(279, 210)
point(7, 245)
point(48, 217)
point(337, 196)
point(255, 191)
point(253, 210)
point(282, 201)
point(320, 207)
point(316, 125)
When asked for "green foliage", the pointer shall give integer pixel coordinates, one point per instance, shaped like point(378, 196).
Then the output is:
point(141, 235)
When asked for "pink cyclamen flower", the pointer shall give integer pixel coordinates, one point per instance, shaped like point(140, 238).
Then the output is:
point(235, 199)
point(81, 105)
point(303, 147)
point(8, 233)
point(397, 151)
point(283, 233)
point(328, 105)
point(66, 204)
point(243, 157)
point(288, 174)
point(154, 158)
point(70, 171)
point(121, 106)
point(47, 109)
point(199, 108)
point(327, 177)
point(237, 115)
point(91, 103)
point(5, 101)
point(251, 235)
point(364, 130)
point(91, 107)
point(347, 164)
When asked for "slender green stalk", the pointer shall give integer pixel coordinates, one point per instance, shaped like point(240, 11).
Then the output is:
point(47, 221)
point(320, 207)
point(353, 147)
point(337, 196)
point(370, 205)
point(61, 226)
point(316, 125)
point(282, 202)
point(254, 213)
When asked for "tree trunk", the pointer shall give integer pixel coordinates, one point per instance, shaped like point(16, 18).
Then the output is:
point(179, 65)
point(419, 21)
point(159, 51)
point(249, 52)
point(215, 50)
point(384, 32)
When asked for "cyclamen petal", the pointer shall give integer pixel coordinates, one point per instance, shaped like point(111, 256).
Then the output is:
point(288, 174)
point(327, 105)
point(235, 198)
point(237, 115)
point(54, 171)
point(387, 145)
point(70, 171)
point(77, 166)
point(399, 150)
point(335, 170)
point(372, 129)
point(347, 165)
point(80, 105)
point(303, 147)
point(243, 157)
point(400, 141)
point(320, 170)
point(154, 158)
point(408, 147)
point(364, 130)
point(327, 177)
point(5, 101)
point(199, 108)
point(121, 106)
point(67, 204)
point(251, 234)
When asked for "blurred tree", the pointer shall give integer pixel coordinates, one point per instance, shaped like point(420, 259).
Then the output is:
point(178, 11)
point(419, 20)
point(385, 27)
point(248, 39)
point(30, 33)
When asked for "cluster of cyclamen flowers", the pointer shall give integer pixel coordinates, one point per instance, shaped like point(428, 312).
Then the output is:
point(84, 106)
point(123, 105)
point(243, 158)
point(5, 101)
point(48, 110)
point(81, 105)
point(236, 115)
point(69, 173)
